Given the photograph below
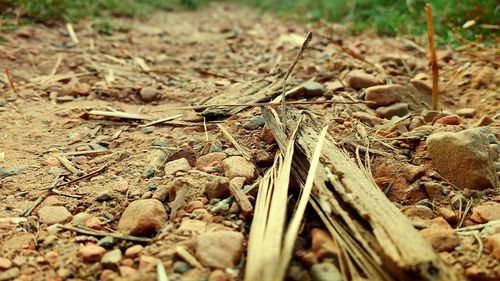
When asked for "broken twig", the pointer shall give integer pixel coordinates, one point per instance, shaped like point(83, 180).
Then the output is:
point(8, 76)
point(289, 71)
point(119, 114)
point(162, 120)
point(235, 143)
point(115, 235)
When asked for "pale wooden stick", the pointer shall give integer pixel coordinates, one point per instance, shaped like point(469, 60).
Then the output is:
point(161, 272)
point(67, 164)
point(161, 120)
point(72, 33)
point(119, 114)
point(115, 235)
point(235, 143)
point(277, 101)
point(235, 186)
point(85, 152)
point(188, 257)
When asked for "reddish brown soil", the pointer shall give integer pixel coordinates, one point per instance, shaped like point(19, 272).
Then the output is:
point(189, 57)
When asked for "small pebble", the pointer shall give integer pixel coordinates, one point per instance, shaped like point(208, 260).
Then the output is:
point(152, 187)
point(312, 89)
point(458, 201)
point(54, 214)
point(484, 121)
point(10, 274)
point(106, 242)
point(112, 259)
point(5, 263)
point(466, 112)
point(134, 251)
point(105, 195)
point(178, 165)
point(149, 94)
point(161, 142)
point(181, 267)
point(254, 123)
point(91, 253)
point(148, 130)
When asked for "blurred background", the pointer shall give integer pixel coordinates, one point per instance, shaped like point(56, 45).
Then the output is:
point(455, 21)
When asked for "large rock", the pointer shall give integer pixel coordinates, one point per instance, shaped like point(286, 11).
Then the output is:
point(463, 158)
point(54, 214)
point(143, 217)
point(219, 249)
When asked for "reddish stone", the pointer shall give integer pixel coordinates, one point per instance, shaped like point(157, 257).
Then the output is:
point(449, 120)
point(91, 253)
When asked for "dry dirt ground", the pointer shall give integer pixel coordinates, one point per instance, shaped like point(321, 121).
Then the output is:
point(68, 172)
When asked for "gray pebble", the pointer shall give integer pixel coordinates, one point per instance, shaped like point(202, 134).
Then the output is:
point(106, 242)
point(161, 142)
point(492, 139)
point(148, 130)
point(181, 267)
point(7, 172)
point(148, 172)
point(112, 259)
point(104, 195)
point(313, 89)
point(254, 123)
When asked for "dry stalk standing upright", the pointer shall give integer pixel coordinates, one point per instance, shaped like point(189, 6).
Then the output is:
point(432, 58)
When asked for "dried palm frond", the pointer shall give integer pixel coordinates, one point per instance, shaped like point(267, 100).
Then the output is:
point(266, 234)
point(270, 245)
point(376, 241)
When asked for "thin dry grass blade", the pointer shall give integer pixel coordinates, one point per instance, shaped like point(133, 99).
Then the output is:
point(267, 231)
point(293, 227)
point(254, 260)
point(277, 212)
point(162, 120)
point(235, 143)
point(161, 272)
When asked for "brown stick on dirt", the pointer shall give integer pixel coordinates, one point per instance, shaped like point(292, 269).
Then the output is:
point(432, 58)
point(8, 76)
point(378, 239)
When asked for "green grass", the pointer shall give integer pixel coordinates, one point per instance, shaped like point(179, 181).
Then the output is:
point(387, 17)
point(50, 11)
point(393, 17)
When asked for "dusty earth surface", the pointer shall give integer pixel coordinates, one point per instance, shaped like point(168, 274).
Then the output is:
point(86, 196)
